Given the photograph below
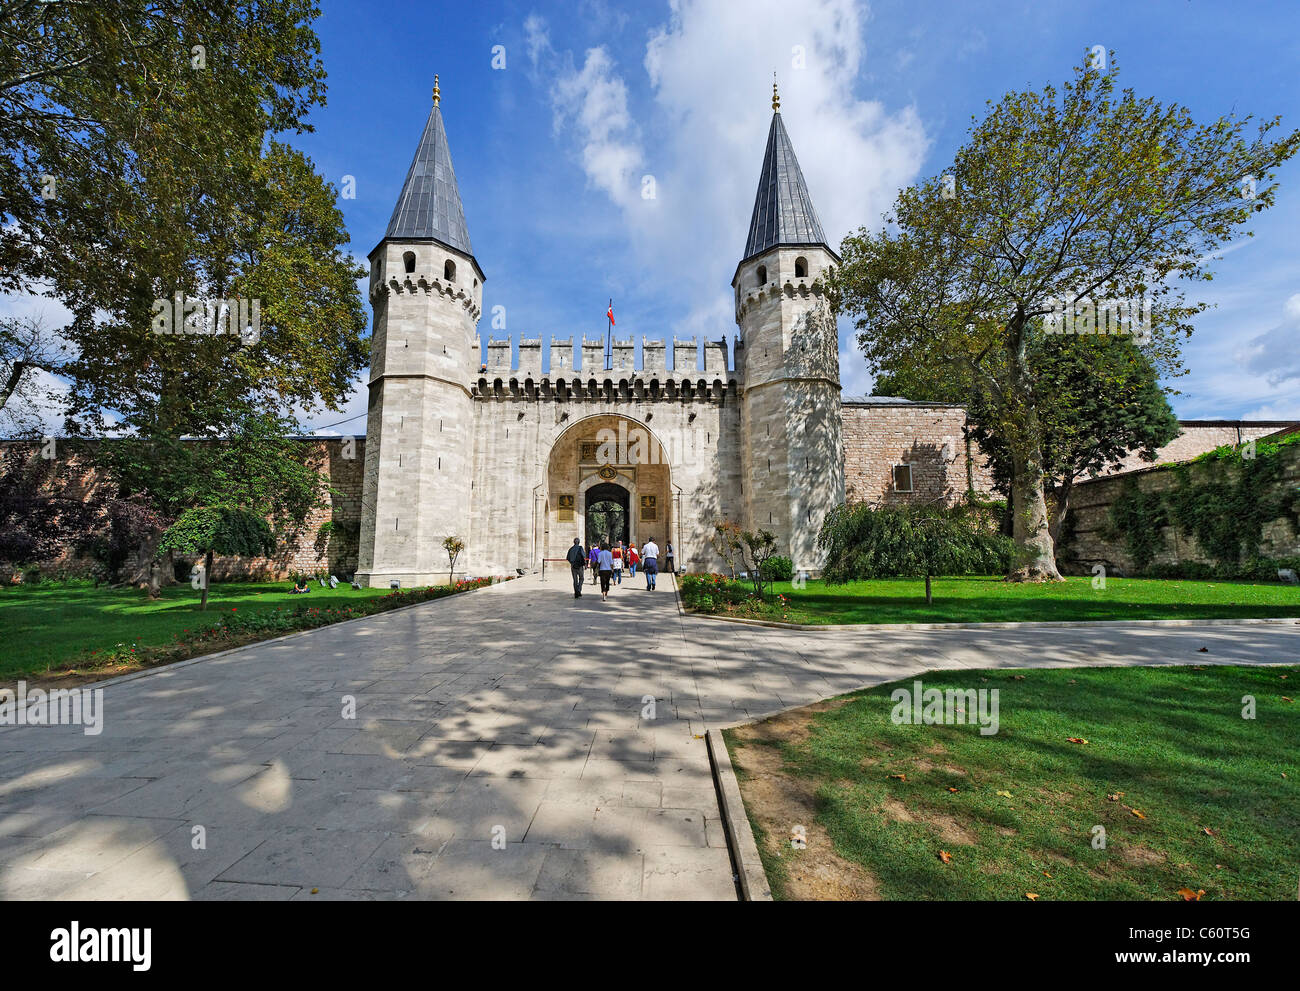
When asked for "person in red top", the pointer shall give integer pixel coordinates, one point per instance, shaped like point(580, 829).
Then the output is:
point(618, 563)
point(633, 559)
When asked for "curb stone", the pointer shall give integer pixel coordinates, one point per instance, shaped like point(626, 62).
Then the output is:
point(1032, 624)
point(740, 837)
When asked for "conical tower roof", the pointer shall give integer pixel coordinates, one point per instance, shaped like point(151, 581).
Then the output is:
point(783, 210)
point(429, 208)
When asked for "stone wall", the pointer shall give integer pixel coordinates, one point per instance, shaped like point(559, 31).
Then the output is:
point(339, 459)
point(1087, 541)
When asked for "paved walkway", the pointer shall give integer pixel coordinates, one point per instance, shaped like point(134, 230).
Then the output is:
point(499, 749)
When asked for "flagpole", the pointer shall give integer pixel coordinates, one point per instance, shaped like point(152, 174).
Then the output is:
point(609, 336)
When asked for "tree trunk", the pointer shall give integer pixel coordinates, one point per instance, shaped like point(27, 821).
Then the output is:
point(1060, 506)
point(207, 580)
point(929, 597)
point(1030, 529)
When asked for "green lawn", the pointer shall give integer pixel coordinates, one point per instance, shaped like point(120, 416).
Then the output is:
point(54, 625)
point(991, 600)
point(1170, 743)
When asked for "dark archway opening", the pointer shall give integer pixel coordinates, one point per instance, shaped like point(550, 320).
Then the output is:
point(606, 508)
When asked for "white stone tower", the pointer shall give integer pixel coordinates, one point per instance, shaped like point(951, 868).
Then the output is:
point(426, 290)
point(792, 446)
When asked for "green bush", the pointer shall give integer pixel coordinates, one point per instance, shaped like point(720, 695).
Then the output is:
point(778, 569)
point(864, 541)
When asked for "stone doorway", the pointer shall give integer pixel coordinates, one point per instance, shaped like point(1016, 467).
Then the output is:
point(607, 508)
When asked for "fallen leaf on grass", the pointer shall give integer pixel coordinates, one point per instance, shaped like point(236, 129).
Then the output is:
point(900, 777)
point(1005, 794)
point(1045, 874)
point(1208, 831)
point(1191, 896)
point(1076, 739)
point(1116, 796)
point(1137, 813)
point(1285, 699)
point(952, 790)
point(945, 856)
point(1031, 896)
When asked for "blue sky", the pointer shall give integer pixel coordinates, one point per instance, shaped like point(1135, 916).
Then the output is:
point(550, 151)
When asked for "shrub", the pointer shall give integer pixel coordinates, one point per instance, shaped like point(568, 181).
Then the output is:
point(778, 569)
point(865, 541)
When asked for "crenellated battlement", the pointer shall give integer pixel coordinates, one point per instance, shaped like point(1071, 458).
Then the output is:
point(536, 372)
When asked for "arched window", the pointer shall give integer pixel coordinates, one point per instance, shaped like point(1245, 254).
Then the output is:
point(801, 268)
point(761, 275)
point(449, 271)
point(408, 260)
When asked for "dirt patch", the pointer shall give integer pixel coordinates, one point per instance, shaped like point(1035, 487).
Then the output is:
point(777, 802)
point(792, 726)
point(1141, 856)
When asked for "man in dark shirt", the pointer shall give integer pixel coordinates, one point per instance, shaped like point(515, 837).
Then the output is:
point(578, 563)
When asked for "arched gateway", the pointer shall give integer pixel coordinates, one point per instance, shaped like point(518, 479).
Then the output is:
point(608, 460)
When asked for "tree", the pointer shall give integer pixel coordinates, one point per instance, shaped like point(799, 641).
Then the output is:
point(129, 104)
point(1099, 401)
point(1054, 203)
point(26, 346)
point(725, 539)
point(864, 541)
point(250, 465)
point(155, 123)
point(209, 530)
point(453, 546)
point(755, 548)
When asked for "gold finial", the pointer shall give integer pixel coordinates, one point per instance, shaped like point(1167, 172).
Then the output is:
point(436, 95)
point(776, 97)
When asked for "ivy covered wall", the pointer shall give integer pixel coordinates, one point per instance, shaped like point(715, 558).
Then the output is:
point(1232, 512)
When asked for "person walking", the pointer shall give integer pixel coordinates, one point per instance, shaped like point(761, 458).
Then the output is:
point(633, 559)
point(578, 565)
point(668, 558)
point(593, 559)
point(617, 552)
point(650, 562)
point(605, 564)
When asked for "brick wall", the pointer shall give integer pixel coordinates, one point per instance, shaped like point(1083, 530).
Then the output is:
point(1199, 436)
point(931, 438)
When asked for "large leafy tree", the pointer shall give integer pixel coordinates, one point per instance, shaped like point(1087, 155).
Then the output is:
point(155, 123)
point(1060, 197)
point(1099, 400)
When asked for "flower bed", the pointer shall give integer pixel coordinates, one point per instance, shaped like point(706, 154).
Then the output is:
point(721, 595)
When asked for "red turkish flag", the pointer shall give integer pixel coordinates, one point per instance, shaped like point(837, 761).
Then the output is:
point(610, 313)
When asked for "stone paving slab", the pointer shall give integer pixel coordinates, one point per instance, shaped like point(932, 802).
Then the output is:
point(501, 749)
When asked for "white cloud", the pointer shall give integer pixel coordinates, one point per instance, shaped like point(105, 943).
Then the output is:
point(701, 138)
point(594, 101)
point(1274, 354)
